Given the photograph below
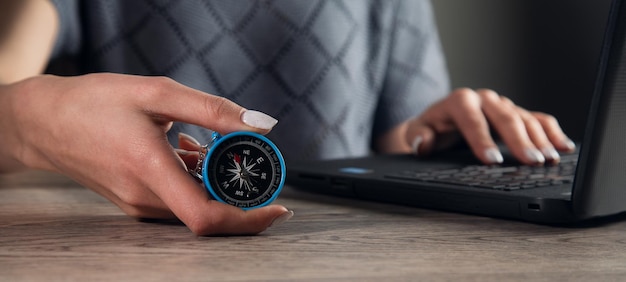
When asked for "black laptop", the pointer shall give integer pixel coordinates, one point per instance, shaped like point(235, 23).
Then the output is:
point(590, 183)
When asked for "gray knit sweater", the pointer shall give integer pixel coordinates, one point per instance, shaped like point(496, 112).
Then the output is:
point(336, 73)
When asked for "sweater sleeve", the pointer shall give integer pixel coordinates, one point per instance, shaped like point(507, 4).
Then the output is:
point(68, 41)
point(416, 74)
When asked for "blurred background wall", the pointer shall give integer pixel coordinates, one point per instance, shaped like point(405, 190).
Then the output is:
point(541, 54)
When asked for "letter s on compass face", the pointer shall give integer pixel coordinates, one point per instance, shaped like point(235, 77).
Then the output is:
point(244, 169)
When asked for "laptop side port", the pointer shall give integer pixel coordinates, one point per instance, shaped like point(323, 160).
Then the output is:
point(340, 184)
point(534, 206)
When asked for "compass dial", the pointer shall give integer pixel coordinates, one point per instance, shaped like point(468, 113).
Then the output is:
point(244, 169)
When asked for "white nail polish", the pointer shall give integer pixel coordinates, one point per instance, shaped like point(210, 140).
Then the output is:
point(569, 144)
point(282, 218)
point(258, 119)
point(188, 137)
point(415, 145)
point(493, 155)
point(182, 152)
point(550, 154)
point(534, 155)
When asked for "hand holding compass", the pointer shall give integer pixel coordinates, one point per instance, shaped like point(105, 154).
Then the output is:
point(120, 149)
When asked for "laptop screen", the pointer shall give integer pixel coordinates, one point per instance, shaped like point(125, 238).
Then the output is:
point(600, 180)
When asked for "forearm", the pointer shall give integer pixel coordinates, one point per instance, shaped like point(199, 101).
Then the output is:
point(28, 31)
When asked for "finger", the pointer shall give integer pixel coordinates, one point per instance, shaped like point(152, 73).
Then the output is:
point(507, 122)
point(424, 139)
point(554, 132)
point(189, 158)
point(464, 106)
point(187, 142)
point(224, 219)
point(165, 97)
point(189, 150)
point(538, 136)
point(421, 138)
point(191, 204)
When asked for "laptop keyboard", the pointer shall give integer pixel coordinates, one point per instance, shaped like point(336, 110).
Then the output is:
point(499, 177)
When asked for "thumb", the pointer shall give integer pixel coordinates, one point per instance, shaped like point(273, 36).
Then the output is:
point(227, 219)
point(421, 139)
point(425, 140)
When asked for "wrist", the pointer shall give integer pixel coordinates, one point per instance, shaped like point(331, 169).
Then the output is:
point(9, 156)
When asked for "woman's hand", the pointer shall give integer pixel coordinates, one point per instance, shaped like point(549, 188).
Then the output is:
point(108, 132)
point(532, 137)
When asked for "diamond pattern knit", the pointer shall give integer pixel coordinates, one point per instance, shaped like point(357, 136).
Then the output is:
point(335, 73)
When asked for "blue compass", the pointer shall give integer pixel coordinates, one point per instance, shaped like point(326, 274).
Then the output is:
point(243, 169)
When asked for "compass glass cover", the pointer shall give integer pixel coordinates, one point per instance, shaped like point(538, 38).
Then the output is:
point(244, 171)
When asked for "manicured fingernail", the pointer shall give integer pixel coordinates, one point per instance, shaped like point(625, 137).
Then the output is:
point(415, 145)
point(188, 138)
point(534, 155)
point(258, 119)
point(184, 152)
point(282, 218)
point(550, 154)
point(569, 144)
point(493, 155)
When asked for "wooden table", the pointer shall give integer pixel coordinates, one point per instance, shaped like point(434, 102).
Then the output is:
point(52, 229)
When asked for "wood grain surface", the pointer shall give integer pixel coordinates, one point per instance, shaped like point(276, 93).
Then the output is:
point(52, 229)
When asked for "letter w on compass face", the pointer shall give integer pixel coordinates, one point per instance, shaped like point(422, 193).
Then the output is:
point(241, 172)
